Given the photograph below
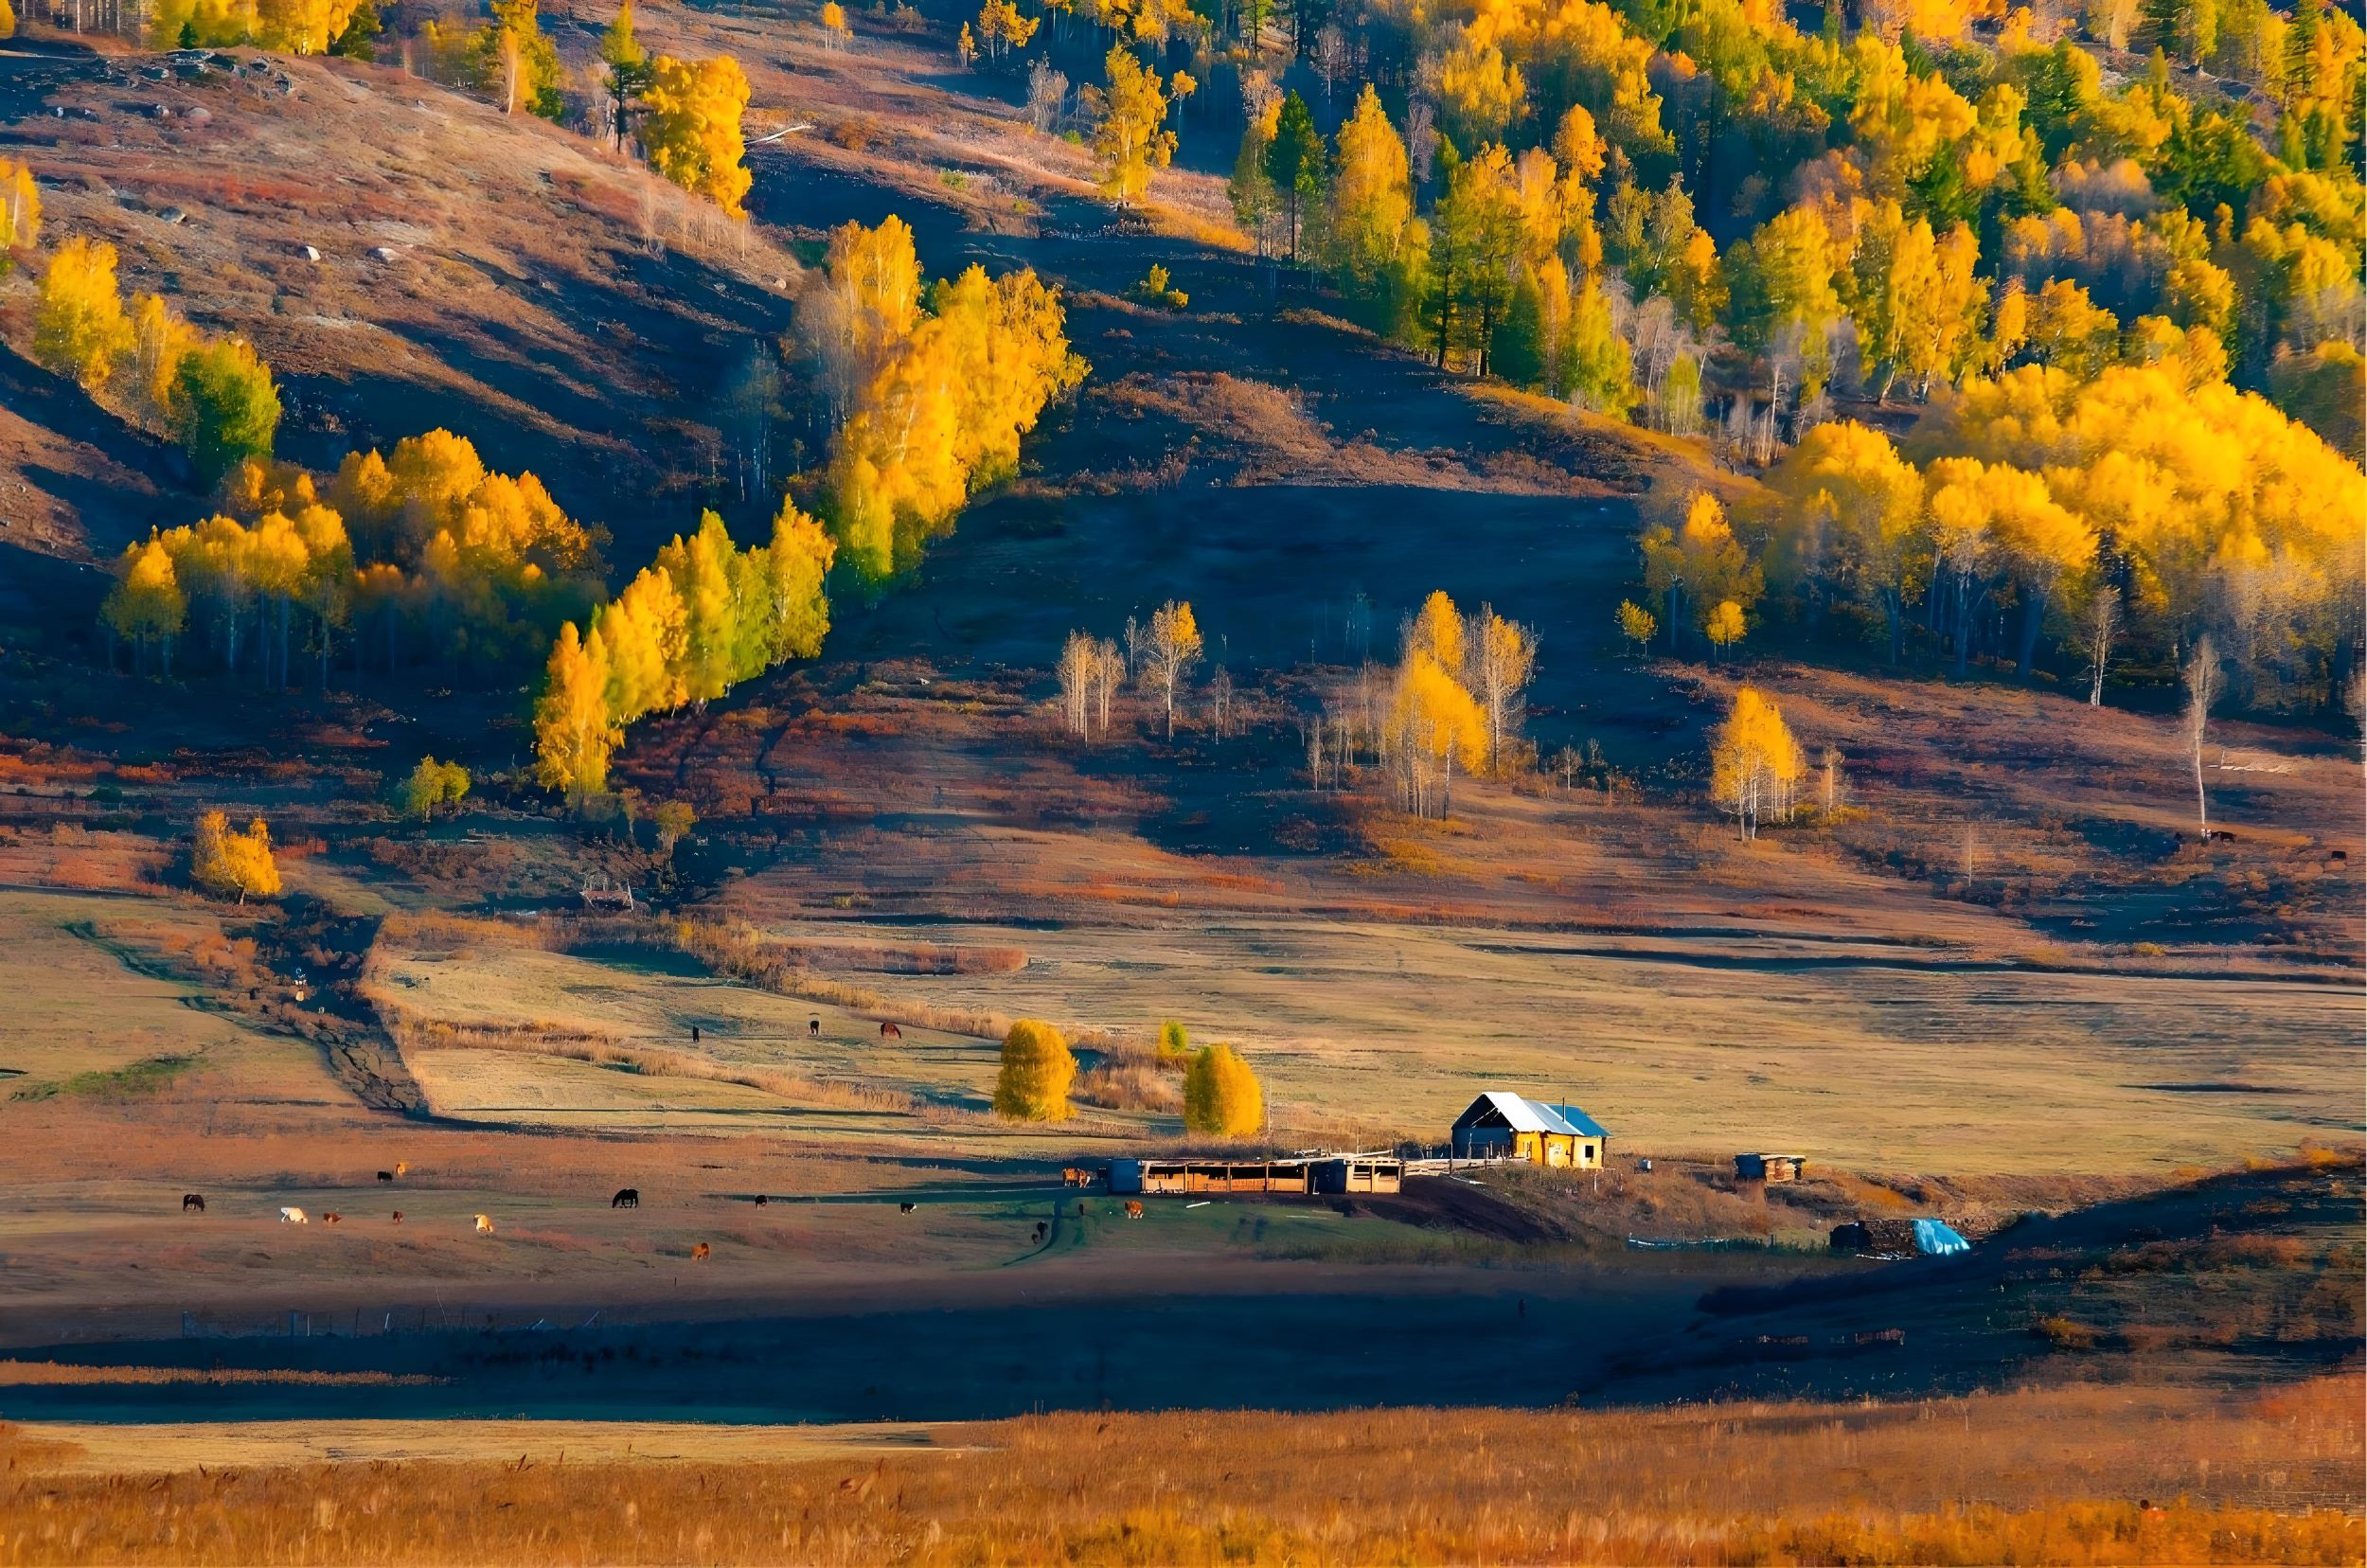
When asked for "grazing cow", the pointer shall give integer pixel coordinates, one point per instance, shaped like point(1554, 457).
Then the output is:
point(397, 1216)
point(626, 1197)
point(292, 1217)
point(906, 1209)
point(1040, 1228)
point(1134, 1209)
point(813, 1025)
point(889, 1031)
point(401, 1168)
point(700, 1252)
point(485, 1225)
point(2338, 854)
point(385, 1175)
point(192, 1200)
point(333, 1218)
point(762, 1199)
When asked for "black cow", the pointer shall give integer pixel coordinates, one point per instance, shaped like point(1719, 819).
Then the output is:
point(813, 1025)
point(762, 1199)
point(385, 1175)
point(906, 1209)
point(192, 1200)
point(627, 1197)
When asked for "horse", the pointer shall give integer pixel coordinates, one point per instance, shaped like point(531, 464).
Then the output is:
point(192, 1200)
point(626, 1197)
point(700, 1252)
point(889, 1031)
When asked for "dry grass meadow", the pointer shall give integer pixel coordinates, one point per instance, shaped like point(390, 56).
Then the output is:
point(2087, 1474)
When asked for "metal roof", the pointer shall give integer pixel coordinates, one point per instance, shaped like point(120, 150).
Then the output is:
point(1523, 1114)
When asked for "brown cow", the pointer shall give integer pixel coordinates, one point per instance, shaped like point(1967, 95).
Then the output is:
point(402, 1168)
point(889, 1031)
point(397, 1216)
point(1134, 1209)
point(698, 1254)
point(331, 1218)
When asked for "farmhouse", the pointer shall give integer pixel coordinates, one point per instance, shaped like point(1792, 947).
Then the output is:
point(1504, 1126)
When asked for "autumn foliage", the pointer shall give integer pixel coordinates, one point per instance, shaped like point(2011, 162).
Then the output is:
point(937, 386)
point(419, 553)
point(690, 126)
point(227, 863)
point(705, 617)
point(1221, 1095)
point(1038, 1069)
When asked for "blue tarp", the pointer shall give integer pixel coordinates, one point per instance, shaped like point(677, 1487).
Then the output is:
point(1934, 1239)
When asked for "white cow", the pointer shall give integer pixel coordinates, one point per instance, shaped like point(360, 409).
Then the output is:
point(485, 1225)
point(292, 1217)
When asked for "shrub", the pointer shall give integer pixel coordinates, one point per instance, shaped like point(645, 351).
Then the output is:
point(1221, 1094)
point(1037, 1070)
point(432, 784)
point(1174, 1040)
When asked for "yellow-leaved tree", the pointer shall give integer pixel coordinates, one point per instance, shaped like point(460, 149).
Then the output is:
point(1221, 1095)
point(690, 126)
point(146, 605)
point(1129, 113)
point(79, 326)
point(1436, 726)
point(1756, 765)
point(1636, 624)
point(1036, 1071)
point(1170, 647)
point(573, 733)
point(224, 863)
point(20, 207)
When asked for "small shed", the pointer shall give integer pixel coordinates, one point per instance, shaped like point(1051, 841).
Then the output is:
point(1500, 1125)
point(1770, 1167)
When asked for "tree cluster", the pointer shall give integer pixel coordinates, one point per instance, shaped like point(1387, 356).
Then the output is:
point(1636, 206)
point(705, 617)
point(2146, 507)
point(422, 553)
point(1756, 765)
point(1452, 701)
point(933, 387)
point(213, 395)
